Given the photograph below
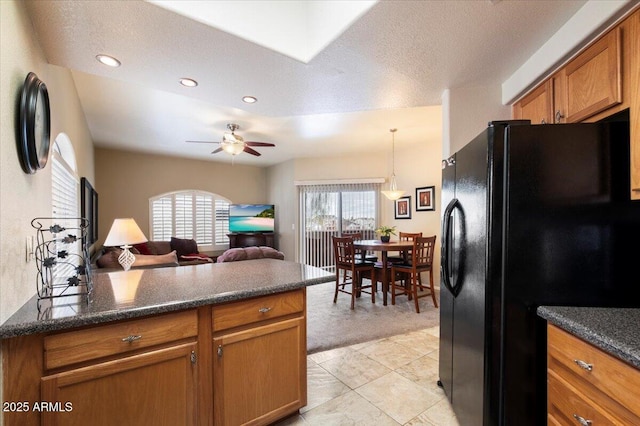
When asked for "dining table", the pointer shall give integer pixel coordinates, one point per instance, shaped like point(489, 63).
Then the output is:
point(383, 248)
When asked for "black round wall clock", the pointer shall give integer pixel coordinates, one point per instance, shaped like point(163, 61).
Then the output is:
point(35, 125)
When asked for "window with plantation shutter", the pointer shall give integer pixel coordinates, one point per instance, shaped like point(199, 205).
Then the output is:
point(222, 222)
point(65, 207)
point(191, 214)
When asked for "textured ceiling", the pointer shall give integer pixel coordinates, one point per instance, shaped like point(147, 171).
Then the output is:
point(388, 69)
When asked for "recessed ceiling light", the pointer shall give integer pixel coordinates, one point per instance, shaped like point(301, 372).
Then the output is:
point(108, 60)
point(249, 99)
point(189, 82)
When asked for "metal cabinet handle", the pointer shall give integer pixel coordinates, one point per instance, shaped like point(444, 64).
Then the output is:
point(583, 365)
point(132, 338)
point(264, 310)
point(543, 121)
point(219, 351)
point(582, 420)
point(559, 116)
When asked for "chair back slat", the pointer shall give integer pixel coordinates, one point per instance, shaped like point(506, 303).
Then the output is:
point(409, 236)
point(423, 250)
point(343, 250)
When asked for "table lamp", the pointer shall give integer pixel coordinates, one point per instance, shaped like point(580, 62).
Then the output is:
point(123, 233)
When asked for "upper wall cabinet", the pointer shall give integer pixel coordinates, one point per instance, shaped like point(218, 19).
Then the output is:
point(592, 82)
point(537, 106)
point(600, 81)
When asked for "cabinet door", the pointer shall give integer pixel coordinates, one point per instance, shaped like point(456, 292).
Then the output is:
point(593, 80)
point(154, 388)
point(537, 106)
point(259, 374)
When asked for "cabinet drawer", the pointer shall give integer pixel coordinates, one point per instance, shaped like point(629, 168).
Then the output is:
point(567, 406)
point(258, 309)
point(105, 340)
point(612, 383)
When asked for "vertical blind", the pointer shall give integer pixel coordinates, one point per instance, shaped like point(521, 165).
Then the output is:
point(328, 210)
point(190, 214)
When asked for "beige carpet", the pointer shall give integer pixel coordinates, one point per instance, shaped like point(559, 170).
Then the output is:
point(332, 325)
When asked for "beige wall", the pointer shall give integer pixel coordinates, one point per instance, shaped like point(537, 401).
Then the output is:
point(284, 196)
point(24, 196)
point(416, 166)
point(466, 112)
point(126, 180)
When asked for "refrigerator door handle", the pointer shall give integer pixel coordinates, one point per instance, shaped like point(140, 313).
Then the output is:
point(445, 250)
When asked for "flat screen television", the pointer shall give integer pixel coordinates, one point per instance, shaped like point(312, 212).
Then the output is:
point(251, 218)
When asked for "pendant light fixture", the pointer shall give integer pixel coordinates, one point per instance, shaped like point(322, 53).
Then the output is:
point(393, 193)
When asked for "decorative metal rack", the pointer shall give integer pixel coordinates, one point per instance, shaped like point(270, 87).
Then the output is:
point(51, 240)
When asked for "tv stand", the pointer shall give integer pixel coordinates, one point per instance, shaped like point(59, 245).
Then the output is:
point(247, 239)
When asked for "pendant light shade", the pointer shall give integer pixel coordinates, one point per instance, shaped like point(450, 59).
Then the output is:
point(393, 193)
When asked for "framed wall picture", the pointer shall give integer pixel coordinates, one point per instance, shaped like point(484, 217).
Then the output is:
point(403, 208)
point(89, 209)
point(425, 199)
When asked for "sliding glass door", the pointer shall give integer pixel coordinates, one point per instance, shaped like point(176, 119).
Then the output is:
point(332, 210)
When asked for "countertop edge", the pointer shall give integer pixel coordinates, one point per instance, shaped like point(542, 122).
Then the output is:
point(57, 324)
point(560, 317)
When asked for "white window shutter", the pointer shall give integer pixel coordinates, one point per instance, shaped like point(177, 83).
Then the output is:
point(195, 215)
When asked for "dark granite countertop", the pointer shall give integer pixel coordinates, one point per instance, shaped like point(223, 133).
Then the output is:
point(614, 330)
point(135, 293)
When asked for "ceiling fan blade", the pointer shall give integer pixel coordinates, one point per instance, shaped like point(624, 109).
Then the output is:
point(216, 151)
point(202, 142)
point(259, 144)
point(251, 151)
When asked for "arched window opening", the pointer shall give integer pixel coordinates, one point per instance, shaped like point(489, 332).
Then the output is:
point(199, 215)
point(65, 205)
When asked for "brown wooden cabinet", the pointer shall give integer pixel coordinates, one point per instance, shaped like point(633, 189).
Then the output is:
point(600, 81)
point(108, 376)
point(585, 384)
point(537, 106)
point(591, 82)
point(165, 369)
point(259, 366)
point(156, 387)
point(248, 239)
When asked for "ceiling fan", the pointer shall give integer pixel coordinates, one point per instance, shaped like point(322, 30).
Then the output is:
point(234, 144)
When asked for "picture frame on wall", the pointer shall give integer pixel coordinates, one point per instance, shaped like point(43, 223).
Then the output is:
point(403, 208)
point(425, 199)
point(89, 209)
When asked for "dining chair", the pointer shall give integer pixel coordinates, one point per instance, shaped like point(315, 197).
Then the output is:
point(358, 236)
point(353, 269)
point(421, 260)
point(404, 255)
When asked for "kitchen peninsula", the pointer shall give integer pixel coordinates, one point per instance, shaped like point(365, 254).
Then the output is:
point(164, 346)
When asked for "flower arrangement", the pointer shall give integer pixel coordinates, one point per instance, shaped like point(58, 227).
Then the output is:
point(386, 232)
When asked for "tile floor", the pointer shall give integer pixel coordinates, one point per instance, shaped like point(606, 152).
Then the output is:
point(390, 381)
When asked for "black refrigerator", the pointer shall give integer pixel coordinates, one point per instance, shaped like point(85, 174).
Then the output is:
point(535, 215)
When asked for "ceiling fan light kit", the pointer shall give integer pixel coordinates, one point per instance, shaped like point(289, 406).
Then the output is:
point(393, 193)
point(234, 144)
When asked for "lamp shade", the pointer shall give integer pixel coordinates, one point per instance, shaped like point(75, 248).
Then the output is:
point(232, 148)
point(124, 231)
point(393, 193)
